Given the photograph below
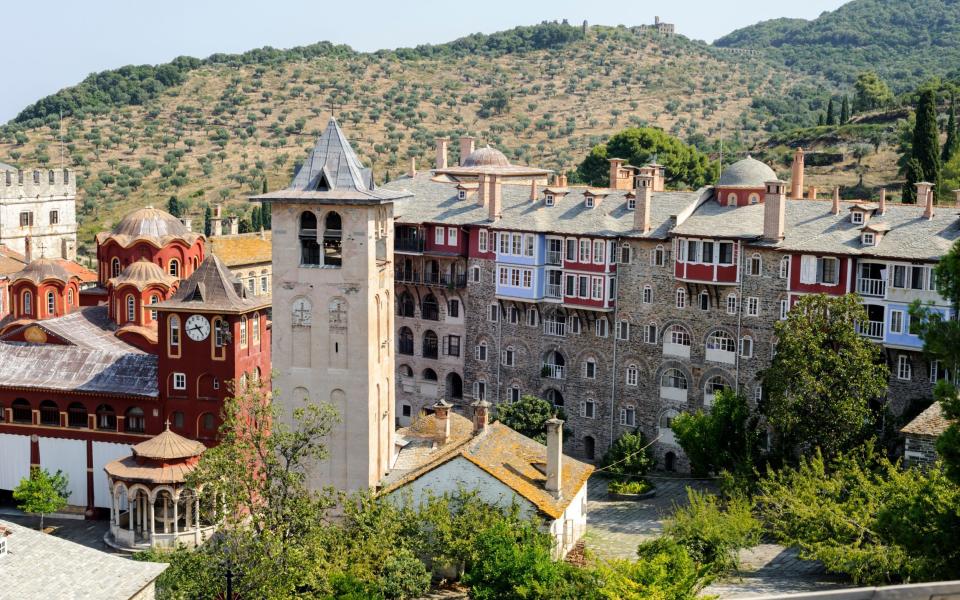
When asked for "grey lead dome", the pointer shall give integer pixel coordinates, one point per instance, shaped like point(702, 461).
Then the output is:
point(746, 173)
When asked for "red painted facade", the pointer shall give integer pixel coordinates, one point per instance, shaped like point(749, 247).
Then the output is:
point(113, 258)
point(473, 244)
point(840, 288)
point(708, 272)
point(431, 242)
point(743, 196)
point(30, 300)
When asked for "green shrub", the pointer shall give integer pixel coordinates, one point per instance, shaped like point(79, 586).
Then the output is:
point(636, 486)
point(711, 533)
point(403, 576)
point(628, 456)
point(663, 571)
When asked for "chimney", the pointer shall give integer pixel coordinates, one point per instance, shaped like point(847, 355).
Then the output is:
point(442, 152)
point(466, 147)
point(413, 166)
point(234, 225)
point(563, 180)
point(188, 223)
point(494, 196)
point(835, 208)
point(216, 222)
point(659, 176)
point(481, 410)
point(796, 177)
point(482, 190)
point(27, 250)
point(812, 193)
point(615, 164)
point(774, 210)
point(641, 215)
point(554, 456)
point(883, 201)
point(925, 195)
point(533, 190)
point(441, 412)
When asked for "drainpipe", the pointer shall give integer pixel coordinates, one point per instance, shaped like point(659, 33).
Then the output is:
point(500, 317)
point(739, 315)
point(616, 322)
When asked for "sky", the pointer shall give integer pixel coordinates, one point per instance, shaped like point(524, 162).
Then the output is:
point(65, 40)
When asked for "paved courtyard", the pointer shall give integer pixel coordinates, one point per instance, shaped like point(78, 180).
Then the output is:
point(615, 528)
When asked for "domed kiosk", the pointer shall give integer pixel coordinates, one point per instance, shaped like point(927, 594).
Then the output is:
point(152, 507)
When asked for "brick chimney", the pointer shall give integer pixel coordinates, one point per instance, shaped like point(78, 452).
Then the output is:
point(216, 222)
point(466, 147)
point(482, 190)
point(562, 180)
point(835, 207)
point(641, 215)
point(442, 143)
point(925, 197)
point(533, 190)
point(234, 225)
point(659, 173)
point(812, 193)
point(441, 412)
point(413, 167)
point(796, 176)
point(883, 201)
point(554, 456)
point(615, 164)
point(481, 412)
point(494, 196)
point(774, 210)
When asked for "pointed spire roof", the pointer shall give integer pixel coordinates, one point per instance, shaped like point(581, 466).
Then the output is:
point(332, 173)
point(213, 288)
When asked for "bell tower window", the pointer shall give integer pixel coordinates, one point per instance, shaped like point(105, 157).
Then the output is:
point(333, 240)
point(309, 248)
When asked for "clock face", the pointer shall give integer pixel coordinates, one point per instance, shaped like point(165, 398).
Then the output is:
point(198, 328)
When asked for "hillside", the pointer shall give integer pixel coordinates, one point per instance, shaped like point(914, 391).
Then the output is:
point(905, 42)
point(213, 130)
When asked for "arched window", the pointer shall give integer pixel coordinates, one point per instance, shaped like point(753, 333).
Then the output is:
point(131, 308)
point(755, 266)
point(633, 375)
point(405, 305)
point(173, 338)
point(106, 417)
point(704, 300)
point(673, 378)
point(22, 413)
point(115, 267)
point(678, 335)
point(405, 341)
point(405, 371)
point(746, 346)
point(332, 240)
point(51, 304)
point(49, 413)
point(154, 299)
point(721, 347)
point(70, 297)
point(177, 419)
point(665, 425)
point(430, 345)
point(732, 199)
point(784, 267)
point(76, 415)
point(28, 302)
point(429, 375)
point(711, 387)
point(256, 329)
point(430, 309)
point(658, 256)
point(681, 298)
point(243, 331)
point(309, 248)
point(174, 267)
point(554, 397)
point(208, 423)
point(754, 198)
point(553, 365)
point(135, 421)
point(454, 386)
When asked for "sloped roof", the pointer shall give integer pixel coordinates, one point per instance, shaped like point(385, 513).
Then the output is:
point(242, 249)
point(929, 423)
point(77, 369)
point(331, 173)
point(10, 261)
point(510, 457)
point(212, 288)
point(168, 445)
point(141, 274)
point(438, 202)
point(42, 269)
point(77, 270)
point(90, 328)
point(41, 565)
point(132, 470)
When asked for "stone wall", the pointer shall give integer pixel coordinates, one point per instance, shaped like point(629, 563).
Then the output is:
point(919, 451)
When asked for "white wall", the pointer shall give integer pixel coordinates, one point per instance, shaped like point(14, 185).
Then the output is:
point(104, 452)
point(69, 456)
point(14, 459)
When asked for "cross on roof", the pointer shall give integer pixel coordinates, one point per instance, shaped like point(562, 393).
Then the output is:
point(167, 423)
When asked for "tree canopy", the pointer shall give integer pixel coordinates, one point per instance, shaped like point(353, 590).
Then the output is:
point(528, 416)
point(727, 438)
point(42, 493)
point(686, 167)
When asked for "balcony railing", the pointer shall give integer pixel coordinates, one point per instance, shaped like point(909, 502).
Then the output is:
point(408, 244)
point(554, 290)
point(558, 328)
point(871, 287)
point(871, 329)
point(552, 371)
point(554, 257)
point(432, 279)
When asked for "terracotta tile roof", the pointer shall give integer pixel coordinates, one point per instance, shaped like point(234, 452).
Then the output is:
point(77, 270)
point(512, 458)
point(242, 249)
point(168, 446)
point(929, 423)
point(10, 261)
point(130, 469)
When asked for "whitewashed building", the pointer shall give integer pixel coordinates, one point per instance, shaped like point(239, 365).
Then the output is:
point(38, 215)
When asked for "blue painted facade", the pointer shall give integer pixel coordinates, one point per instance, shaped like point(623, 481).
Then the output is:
point(521, 262)
point(904, 339)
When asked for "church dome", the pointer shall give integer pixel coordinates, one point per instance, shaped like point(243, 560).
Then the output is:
point(42, 269)
point(150, 222)
point(486, 157)
point(746, 173)
point(143, 273)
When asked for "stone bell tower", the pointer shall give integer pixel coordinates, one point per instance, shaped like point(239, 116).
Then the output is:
point(333, 307)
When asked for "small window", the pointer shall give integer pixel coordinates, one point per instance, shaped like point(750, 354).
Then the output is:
point(51, 303)
point(461, 195)
point(647, 294)
point(179, 381)
point(753, 306)
point(475, 274)
point(115, 267)
point(131, 308)
point(896, 321)
point(453, 308)
point(746, 346)
point(631, 203)
point(480, 390)
point(548, 199)
point(732, 304)
point(633, 375)
point(588, 409)
point(784, 309)
point(532, 317)
point(754, 198)
point(26, 219)
point(574, 324)
point(598, 252)
point(868, 239)
point(681, 298)
point(174, 267)
point(54, 217)
point(438, 236)
point(508, 357)
point(589, 202)
point(590, 369)
point(625, 254)
point(514, 393)
point(623, 330)
point(856, 217)
point(601, 327)
point(755, 266)
point(494, 313)
point(452, 236)
point(904, 368)
point(481, 352)
point(243, 332)
point(514, 315)
point(650, 333)
point(704, 300)
point(784, 267)
point(628, 416)
point(405, 409)
point(482, 241)
point(584, 251)
point(732, 199)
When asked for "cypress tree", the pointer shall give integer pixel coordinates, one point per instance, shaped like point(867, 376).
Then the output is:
point(174, 208)
point(255, 221)
point(264, 190)
point(926, 138)
point(207, 218)
point(266, 218)
point(831, 115)
point(845, 111)
point(914, 174)
point(821, 120)
point(953, 142)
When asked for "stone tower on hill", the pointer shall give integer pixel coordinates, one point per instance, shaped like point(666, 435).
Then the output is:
point(333, 306)
point(38, 212)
